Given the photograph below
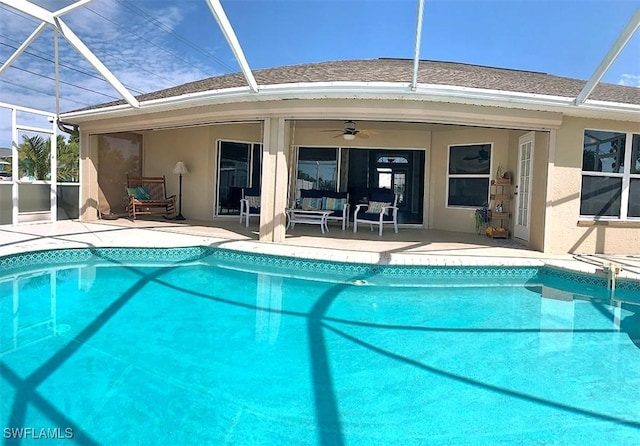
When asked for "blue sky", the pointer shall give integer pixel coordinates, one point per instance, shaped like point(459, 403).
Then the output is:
point(155, 44)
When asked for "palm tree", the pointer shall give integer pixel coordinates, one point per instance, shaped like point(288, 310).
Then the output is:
point(34, 157)
point(68, 159)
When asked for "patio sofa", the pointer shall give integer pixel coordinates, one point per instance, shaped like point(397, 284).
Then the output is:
point(337, 202)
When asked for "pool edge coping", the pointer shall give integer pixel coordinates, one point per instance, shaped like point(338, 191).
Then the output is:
point(363, 257)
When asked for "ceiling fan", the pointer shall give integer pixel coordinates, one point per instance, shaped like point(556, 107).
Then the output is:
point(350, 132)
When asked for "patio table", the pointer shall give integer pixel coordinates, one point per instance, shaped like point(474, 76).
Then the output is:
point(308, 217)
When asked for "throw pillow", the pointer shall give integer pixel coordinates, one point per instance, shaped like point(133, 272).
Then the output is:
point(333, 204)
point(143, 193)
point(140, 193)
point(253, 201)
point(311, 204)
point(375, 207)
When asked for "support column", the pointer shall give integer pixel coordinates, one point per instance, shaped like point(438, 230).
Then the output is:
point(274, 181)
point(88, 177)
point(547, 243)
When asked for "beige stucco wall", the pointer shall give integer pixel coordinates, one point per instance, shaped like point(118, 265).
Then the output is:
point(196, 147)
point(454, 218)
point(538, 190)
point(568, 235)
point(559, 210)
point(383, 135)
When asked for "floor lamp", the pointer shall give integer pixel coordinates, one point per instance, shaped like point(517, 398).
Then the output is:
point(180, 169)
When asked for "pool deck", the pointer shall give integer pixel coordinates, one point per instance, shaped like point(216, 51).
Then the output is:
point(411, 246)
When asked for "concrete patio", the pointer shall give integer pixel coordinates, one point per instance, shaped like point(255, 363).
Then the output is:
point(411, 246)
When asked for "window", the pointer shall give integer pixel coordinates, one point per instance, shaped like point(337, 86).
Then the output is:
point(317, 169)
point(393, 160)
point(469, 175)
point(610, 175)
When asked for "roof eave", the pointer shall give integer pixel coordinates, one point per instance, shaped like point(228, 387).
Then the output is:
point(370, 90)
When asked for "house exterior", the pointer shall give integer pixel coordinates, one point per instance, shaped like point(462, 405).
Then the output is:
point(361, 124)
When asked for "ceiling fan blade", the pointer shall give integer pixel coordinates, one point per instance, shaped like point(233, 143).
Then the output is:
point(362, 135)
point(331, 130)
point(368, 132)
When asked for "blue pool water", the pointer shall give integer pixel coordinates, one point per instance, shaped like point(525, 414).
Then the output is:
point(199, 346)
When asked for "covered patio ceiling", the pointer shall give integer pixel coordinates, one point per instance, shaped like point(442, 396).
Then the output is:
point(54, 19)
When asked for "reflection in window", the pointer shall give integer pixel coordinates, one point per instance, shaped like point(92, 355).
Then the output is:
point(634, 198)
point(606, 168)
point(600, 196)
point(392, 160)
point(469, 175)
point(635, 154)
point(603, 151)
point(317, 169)
point(239, 167)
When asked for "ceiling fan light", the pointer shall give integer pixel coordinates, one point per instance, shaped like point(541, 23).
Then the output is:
point(349, 136)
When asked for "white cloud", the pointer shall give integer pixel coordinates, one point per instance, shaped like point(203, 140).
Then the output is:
point(134, 40)
point(630, 80)
point(134, 43)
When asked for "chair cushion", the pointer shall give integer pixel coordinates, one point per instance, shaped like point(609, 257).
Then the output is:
point(375, 207)
point(253, 201)
point(141, 193)
point(311, 203)
point(332, 194)
point(312, 193)
point(333, 204)
point(381, 195)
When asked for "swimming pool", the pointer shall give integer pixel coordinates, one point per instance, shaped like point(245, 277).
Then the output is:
point(204, 345)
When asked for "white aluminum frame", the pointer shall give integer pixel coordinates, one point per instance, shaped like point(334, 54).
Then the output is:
point(53, 19)
point(497, 96)
point(610, 57)
point(53, 135)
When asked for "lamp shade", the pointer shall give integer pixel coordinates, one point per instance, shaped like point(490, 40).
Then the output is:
point(349, 136)
point(180, 168)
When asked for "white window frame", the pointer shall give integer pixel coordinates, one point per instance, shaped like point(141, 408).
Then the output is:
point(626, 176)
point(467, 175)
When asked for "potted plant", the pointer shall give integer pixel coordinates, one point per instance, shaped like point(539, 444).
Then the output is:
point(482, 218)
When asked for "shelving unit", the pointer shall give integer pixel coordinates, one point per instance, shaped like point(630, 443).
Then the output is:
point(500, 196)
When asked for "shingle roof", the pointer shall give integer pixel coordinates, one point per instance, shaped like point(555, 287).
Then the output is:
point(401, 70)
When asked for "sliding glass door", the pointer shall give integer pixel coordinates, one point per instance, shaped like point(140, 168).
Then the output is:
point(357, 171)
point(239, 165)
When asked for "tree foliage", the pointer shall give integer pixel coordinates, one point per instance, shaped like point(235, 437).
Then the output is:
point(34, 158)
